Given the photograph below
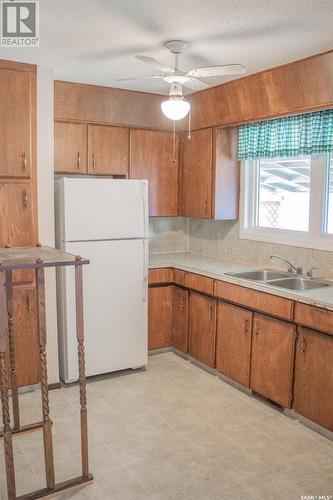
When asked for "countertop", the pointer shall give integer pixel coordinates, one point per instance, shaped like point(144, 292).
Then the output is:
point(216, 268)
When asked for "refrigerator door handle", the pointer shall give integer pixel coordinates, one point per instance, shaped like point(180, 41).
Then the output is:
point(144, 203)
point(145, 271)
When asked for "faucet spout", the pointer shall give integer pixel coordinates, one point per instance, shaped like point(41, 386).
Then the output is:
point(291, 267)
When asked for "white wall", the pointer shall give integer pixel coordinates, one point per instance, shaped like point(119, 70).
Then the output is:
point(45, 188)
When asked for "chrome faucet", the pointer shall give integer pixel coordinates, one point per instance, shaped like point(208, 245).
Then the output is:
point(291, 268)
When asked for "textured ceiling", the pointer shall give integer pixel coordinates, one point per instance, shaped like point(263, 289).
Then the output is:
point(94, 41)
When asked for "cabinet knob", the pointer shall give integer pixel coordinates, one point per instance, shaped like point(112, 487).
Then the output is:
point(78, 160)
point(24, 160)
point(25, 198)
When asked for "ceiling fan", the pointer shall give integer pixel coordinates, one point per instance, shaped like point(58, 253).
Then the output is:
point(176, 107)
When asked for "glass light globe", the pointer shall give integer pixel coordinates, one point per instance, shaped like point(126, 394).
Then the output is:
point(175, 108)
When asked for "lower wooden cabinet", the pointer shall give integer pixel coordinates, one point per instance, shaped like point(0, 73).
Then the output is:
point(160, 317)
point(202, 328)
point(233, 342)
point(25, 336)
point(313, 383)
point(180, 319)
point(273, 359)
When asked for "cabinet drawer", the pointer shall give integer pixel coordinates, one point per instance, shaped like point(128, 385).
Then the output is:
point(161, 275)
point(179, 277)
point(314, 317)
point(200, 283)
point(260, 301)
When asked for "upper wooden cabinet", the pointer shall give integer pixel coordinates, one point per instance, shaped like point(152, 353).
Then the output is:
point(18, 227)
point(70, 148)
point(154, 157)
point(233, 342)
point(210, 174)
point(273, 359)
point(108, 149)
point(17, 121)
point(313, 386)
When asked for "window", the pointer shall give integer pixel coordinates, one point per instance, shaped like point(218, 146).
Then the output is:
point(288, 200)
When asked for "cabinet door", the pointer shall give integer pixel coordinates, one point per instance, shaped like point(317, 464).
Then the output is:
point(70, 148)
point(17, 101)
point(17, 226)
point(202, 328)
point(180, 319)
point(272, 359)
point(25, 336)
point(313, 385)
point(108, 149)
point(154, 156)
point(233, 342)
point(197, 174)
point(160, 317)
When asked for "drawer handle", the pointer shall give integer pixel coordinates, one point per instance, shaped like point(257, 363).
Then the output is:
point(24, 160)
point(78, 161)
point(25, 198)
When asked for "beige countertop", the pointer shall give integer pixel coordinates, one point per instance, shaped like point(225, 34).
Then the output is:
point(216, 268)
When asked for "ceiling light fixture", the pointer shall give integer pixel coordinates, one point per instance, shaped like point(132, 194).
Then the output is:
point(176, 107)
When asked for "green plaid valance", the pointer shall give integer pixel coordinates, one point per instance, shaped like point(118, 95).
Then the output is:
point(305, 134)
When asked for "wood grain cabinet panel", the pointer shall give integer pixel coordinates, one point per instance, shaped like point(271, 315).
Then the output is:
point(25, 336)
point(314, 317)
point(313, 384)
point(17, 119)
point(108, 150)
point(272, 359)
point(233, 342)
point(154, 156)
point(260, 301)
point(202, 328)
point(200, 283)
point(160, 317)
point(179, 277)
point(180, 319)
point(160, 275)
point(18, 226)
point(197, 174)
point(70, 148)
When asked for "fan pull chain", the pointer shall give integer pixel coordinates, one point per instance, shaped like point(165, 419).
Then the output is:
point(174, 143)
point(189, 126)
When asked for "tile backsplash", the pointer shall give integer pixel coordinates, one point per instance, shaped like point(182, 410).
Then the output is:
point(220, 239)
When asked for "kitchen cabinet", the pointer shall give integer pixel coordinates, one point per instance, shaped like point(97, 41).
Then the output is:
point(108, 150)
point(272, 359)
point(210, 174)
point(160, 317)
point(18, 227)
point(313, 384)
point(17, 120)
point(202, 328)
point(154, 156)
point(180, 319)
point(70, 148)
point(233, 342)
point(25, 336)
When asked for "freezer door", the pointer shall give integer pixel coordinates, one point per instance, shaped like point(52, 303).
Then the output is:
point(115, 308)
point(103, 209)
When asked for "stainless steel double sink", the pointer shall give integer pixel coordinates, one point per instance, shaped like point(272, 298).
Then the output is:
point(280, 279)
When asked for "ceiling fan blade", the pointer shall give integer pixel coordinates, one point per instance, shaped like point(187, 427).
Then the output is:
point(158, 77)
point(195, 84)
point(224, 70)
point(153, 62)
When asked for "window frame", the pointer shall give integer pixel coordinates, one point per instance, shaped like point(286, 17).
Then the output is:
point(316, 237)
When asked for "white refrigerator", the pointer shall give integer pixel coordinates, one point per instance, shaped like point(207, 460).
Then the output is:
point(105, 221)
